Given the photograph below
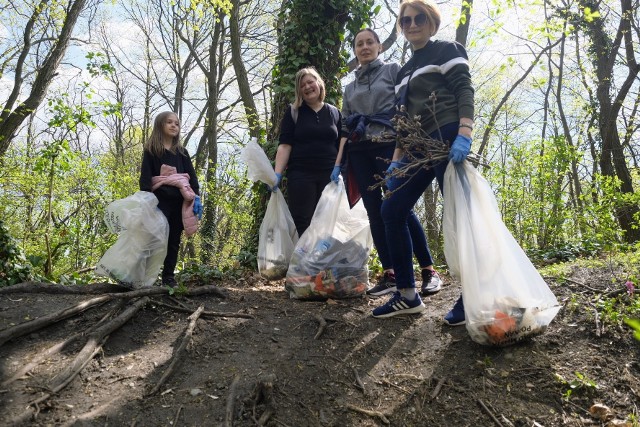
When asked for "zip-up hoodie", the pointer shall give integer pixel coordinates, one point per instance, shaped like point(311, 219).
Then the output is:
point(370, 93)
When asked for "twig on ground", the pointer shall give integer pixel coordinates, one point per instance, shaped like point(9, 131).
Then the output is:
point(488, 412)
point(359, 382)
point(178, 353)
point(44, 321)
point(55, 349)
point(377, 414)
point(175, 420)
point(436, 390)
point(322, 325)
point(54, 288)
point(263, 394)
point(94, 343)
point(231, 402)
point(204, 313)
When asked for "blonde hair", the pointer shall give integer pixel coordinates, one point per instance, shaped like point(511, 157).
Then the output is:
point(154, 144)
point(299, 76)
point(428, 7)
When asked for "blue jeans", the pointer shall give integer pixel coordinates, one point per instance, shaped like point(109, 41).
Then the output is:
point(366, 164)
point(397, 208)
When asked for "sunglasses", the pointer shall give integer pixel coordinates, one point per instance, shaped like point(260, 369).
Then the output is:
point(419, 20)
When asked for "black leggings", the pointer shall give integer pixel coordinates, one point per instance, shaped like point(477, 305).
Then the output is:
point(172, 209)
point(304, 188)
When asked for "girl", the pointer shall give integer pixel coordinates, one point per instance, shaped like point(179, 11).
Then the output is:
point(442, 68)
point(368, 105)
point(167, 171)
point(309, 139)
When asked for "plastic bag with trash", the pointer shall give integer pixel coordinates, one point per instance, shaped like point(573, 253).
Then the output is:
point(137, 256)
point(278, 234)
point(330, 259)
point(505, 299)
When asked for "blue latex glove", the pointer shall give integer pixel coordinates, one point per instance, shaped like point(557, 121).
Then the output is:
point(277, 184)
point(460, 149)
point(392, 166)
point(335, 174)
point(197, 207)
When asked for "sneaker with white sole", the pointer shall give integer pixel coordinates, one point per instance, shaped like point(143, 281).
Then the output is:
point(456, 316)
point(431, 282)
point(386, 285)
point(399, 305)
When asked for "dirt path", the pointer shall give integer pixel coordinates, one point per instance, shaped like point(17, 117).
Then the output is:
point(361, 371)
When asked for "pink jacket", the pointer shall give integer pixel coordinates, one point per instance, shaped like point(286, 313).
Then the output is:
point(169, 176)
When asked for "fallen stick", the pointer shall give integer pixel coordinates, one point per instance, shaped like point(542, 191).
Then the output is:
point(488, 412)
point(55, 288)
point(322, 325)
point(436, 391)
point(55, 349)
point(178, 353)
point(36, 324)
point(204, 313)
point(231, 403)
point(175, 420)
point(359, 381)
point(263, 394)
point(377, 414)
point(93, 343)
point(41, 322)
point(29, 412)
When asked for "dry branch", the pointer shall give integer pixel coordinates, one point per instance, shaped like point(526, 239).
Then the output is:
point(436, 391)
point(186, 309)
point(54, 288)
point(359, 381)
point(322, 324)
point(377, 414)
point(41, 322)
point(178, 353)
point(55, 349)
point(94, 343)
point(488, 412)
point(231, 403)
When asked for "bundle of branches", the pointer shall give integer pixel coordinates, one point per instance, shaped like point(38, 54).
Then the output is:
point(420, 150)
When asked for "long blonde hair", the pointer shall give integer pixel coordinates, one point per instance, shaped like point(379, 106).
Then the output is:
point(299, 76)
point(154, 144)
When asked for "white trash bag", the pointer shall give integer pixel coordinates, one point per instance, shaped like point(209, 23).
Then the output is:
point(278, 234)
point(136, 258)
point(330, 259)
point(505, 298)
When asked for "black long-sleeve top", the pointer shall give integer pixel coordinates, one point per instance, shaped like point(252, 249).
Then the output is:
point(151, 167)
point(314, 137)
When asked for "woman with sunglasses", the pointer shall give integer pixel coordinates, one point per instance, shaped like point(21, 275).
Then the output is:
point(434, 84)
point(367, 106)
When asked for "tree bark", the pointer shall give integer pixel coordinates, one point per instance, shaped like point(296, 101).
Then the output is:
point(11, 121)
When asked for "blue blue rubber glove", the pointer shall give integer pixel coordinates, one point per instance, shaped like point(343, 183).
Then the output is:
point(335, 174)
point(460, 149)
point(197, 207)
point(277, 184)
point(392, 166)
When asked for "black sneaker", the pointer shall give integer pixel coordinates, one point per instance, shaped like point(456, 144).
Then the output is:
point(431, 282)
point(386, 285)
point(169, 281)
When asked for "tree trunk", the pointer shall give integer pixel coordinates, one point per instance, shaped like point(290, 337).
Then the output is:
point(604, 55)
point(255, 129)
point(11, 121)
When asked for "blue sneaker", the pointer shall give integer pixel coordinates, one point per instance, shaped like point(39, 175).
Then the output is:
point(399, 305)
point(456, 316)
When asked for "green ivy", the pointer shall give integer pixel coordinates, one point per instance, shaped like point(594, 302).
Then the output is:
point(14, 268)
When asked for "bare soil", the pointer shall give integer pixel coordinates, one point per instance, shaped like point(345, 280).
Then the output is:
point(274, 369)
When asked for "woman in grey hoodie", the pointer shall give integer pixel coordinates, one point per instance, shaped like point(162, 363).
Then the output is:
point(367, 107)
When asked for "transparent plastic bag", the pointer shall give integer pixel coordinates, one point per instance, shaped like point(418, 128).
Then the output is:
point(136, 258)
point(330, 259)
point(278, 234)
point(505, 298)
